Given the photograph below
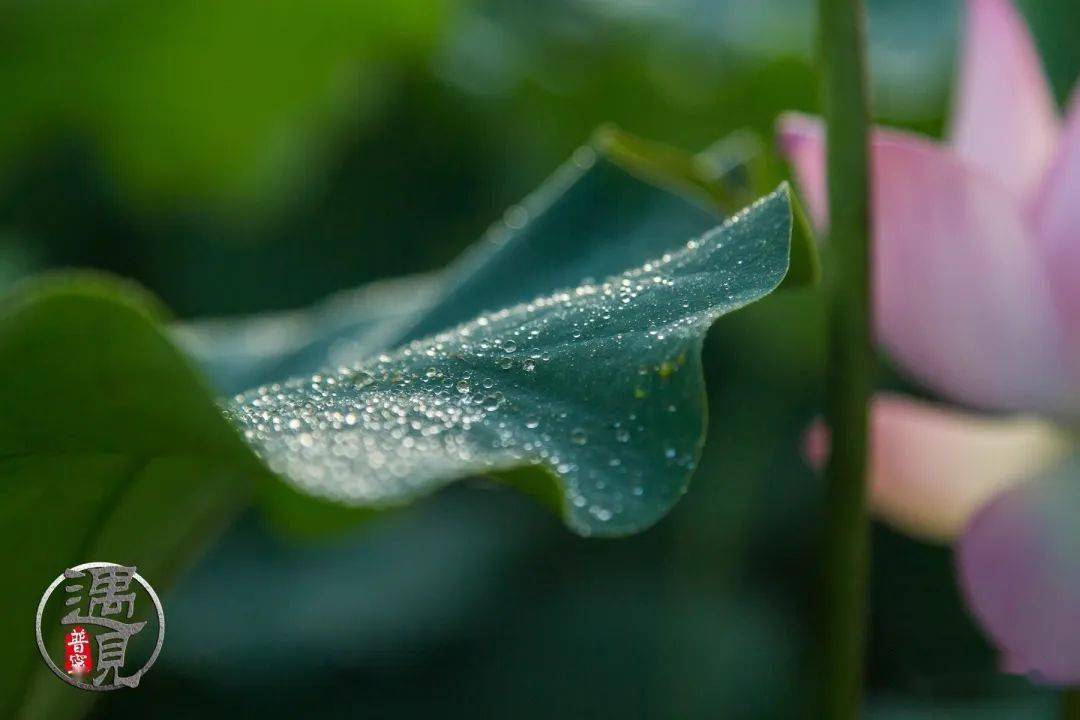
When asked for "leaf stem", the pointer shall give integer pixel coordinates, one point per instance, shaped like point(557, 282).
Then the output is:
point(847, 288)
point(1070, 704)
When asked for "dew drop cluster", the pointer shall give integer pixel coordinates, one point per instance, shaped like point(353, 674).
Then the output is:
point(599, 384)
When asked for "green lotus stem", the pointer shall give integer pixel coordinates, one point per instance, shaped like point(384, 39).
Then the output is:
point(1070, 704)
point(847, 287)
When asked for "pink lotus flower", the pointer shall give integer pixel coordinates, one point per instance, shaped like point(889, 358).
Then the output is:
point(976, 275)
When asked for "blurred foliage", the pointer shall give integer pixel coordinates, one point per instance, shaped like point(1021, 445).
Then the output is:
point(186, 100)
point(243, 156)
point(88, 435)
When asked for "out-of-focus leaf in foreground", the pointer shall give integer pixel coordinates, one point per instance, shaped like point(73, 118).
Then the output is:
point(111, 448)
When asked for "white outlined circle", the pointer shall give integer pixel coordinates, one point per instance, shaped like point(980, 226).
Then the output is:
point(63, 675)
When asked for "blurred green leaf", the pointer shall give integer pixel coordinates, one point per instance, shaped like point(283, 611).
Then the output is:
point(1032, 707)
point(207, 100)
point(111, 448)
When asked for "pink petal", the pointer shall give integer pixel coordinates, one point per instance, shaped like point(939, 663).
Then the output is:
point(1057, 222)
point(961, 300)
point(932, 468)
point(802, 142)
point(1019, 564)
point(1004, 117)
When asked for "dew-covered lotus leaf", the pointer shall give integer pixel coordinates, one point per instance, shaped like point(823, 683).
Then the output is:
point(600, 386)
point(603, 211)
point(590, 397)
point(617, 202)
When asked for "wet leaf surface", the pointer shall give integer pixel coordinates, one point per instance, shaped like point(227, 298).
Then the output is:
point(599, 385)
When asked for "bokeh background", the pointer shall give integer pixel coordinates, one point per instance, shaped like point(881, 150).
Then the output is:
point(242, 156)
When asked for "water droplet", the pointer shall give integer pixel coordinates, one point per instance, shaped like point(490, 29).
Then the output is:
point(578, 436)
point(361, 379)
point(601, 513)
point(516, 217)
